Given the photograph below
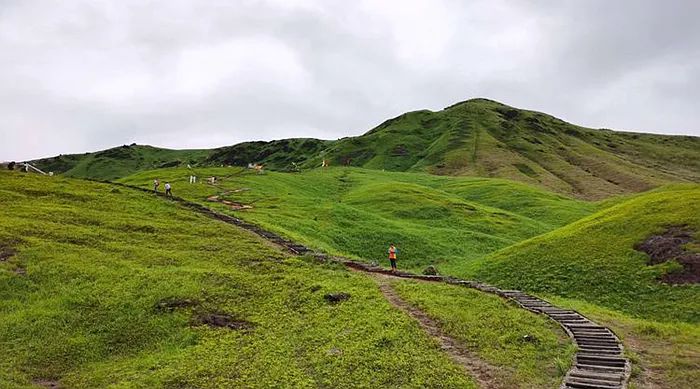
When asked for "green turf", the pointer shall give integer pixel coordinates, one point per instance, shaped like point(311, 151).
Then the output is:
point(538, 346)
point(119, 161)
point(79, 302)
point(594, 258)
point(442, 221)
point(477, 137)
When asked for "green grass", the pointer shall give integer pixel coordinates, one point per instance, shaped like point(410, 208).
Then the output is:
point(119, 161)
point(99, 259)
point(593, 259)
point(587, 254)
point(485, 138)
point(79, 298)
point(534, 354)
point(477, 137)
point(442, 221)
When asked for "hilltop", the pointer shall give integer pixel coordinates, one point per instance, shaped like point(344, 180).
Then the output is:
point(477, 137)
point(488, 139)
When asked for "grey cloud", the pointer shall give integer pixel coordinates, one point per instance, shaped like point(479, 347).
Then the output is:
point(80, 76)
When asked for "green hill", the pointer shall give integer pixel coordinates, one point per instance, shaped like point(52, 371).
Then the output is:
point(484, 138)
point(119, 161)
point(595, 259)
point(445, 221)
point(477, 137)
point(578, 253)
point(104, 286)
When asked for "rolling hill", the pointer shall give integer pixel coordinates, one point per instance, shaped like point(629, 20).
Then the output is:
point(488, 139)
point(598, 258)
point(105, 286)
point(444, 221)
point(582, 254)
point(477, 137)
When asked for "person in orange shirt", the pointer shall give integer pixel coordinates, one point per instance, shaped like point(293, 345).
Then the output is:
point(392, 256)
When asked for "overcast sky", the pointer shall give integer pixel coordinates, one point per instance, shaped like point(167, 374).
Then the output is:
point(80, 76)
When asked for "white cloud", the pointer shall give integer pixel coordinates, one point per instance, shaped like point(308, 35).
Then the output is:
point(85, 75)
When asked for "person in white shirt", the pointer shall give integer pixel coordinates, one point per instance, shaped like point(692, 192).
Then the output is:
point(168, 189)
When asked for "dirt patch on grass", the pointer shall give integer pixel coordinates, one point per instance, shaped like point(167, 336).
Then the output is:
point(334, 298)
point(171, 304)
point(236, 206)
point(221, 320)
point(672, 245)
point(6, 250)
point(44, 383)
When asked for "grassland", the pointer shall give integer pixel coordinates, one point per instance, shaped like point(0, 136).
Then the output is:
point(594, 258)
point(104, 286)
point(441, 221)
point(477, 137)
point(586, 260)
point(477, 322)
point(119, 161)
point(485, 138)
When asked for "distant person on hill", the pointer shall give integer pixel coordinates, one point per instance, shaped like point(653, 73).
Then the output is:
point(392, 256)
point(156, 184)
point(168, 190)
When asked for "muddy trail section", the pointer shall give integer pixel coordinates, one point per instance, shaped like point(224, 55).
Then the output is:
point(599, 362)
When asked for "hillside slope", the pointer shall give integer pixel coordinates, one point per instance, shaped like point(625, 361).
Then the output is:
point(444, 221)
point(119, 161)
point(485, 138)
point(104, 286)
point(476, 137)
point(595, 259)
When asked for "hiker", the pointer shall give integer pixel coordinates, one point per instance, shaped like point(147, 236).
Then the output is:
point(193, 179)
point(168, 190)
point(156, 184)
point(392, 256)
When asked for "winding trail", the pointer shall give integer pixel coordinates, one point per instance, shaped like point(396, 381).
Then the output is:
point(599, 362)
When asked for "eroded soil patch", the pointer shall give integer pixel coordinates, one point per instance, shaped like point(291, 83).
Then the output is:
point(221, 320)
point(171, 304)
point(44, 383)
point(6, 251)
point(236, 206)
point(673, 245)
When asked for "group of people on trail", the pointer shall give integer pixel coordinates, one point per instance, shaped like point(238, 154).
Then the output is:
point(168, 188)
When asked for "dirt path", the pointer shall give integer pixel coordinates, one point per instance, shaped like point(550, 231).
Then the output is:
point(485, 375)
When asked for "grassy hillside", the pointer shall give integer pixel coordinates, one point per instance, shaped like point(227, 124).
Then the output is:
point(594, 259)
point(443, 221)
point(119, 161)
point(484, 138)
point(472, 227)
point(277, 154)
point(477, 137)
point(105, 286)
